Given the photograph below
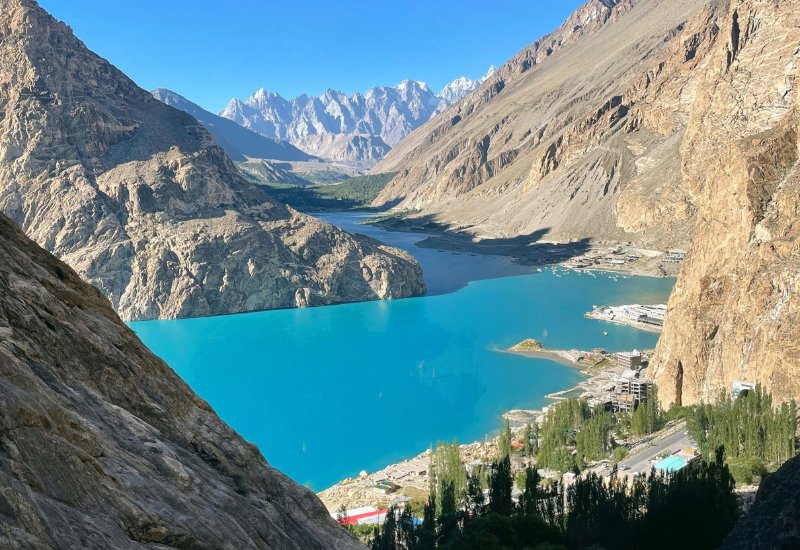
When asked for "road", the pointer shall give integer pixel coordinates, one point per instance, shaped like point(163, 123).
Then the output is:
point(640, 462)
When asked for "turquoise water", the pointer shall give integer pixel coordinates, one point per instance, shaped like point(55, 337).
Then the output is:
point(326, 392)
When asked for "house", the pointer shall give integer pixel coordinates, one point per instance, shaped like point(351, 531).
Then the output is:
point(630, 392)
point(386, 487)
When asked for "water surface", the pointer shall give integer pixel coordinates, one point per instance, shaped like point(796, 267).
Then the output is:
point(326, 392)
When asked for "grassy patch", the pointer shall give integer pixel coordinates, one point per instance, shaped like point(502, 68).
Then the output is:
point(353, 193)
point(528, 344)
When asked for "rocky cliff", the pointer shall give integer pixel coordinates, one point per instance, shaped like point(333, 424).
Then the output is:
point(734, 313)
point(772, 521)
point(137, 197)
point(578, 134)
point(655, 122)
point(103, 446)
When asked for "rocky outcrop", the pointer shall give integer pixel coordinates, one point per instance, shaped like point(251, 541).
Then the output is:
point(578, 134)
point(137, 197)
point(773, 519)
point(103, 446)
point(345, 147)
point(734, 313)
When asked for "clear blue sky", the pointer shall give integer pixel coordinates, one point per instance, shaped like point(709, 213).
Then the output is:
point(212, 50)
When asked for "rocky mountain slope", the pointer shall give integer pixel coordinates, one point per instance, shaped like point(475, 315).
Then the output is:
point(341, 127)
point(102, 445)
point(653, 122)
point(136, 196)
point(579, 134)
point(239, 143)
point(772, 521)
point(734, 313)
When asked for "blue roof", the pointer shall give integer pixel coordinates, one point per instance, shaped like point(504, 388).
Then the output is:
point(671, 464)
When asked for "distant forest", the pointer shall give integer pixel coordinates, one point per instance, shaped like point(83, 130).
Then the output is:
point(352, 194)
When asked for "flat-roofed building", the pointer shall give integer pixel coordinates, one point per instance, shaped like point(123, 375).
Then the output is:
point(629, 360)
point(630, 392)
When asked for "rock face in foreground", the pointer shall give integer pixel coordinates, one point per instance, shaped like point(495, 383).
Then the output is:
point(735, 311)
point(774, 519)
point(137, 197)
point(103, 446)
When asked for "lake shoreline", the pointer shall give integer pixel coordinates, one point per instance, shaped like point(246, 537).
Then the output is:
point(354, 492)
point(542, 253)
point(439, 350)
point(624, 322)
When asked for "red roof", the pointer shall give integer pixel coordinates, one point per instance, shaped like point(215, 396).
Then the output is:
point(353, 520)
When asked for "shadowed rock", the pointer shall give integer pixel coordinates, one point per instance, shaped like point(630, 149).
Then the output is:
point(103, 446)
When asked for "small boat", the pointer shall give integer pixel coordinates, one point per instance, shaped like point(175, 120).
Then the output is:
point(604, 333)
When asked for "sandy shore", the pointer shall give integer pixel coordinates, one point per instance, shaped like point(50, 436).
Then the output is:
point(562, 357)
point(411, 475)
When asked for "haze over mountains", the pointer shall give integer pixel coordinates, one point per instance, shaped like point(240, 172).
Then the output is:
point(337, 126)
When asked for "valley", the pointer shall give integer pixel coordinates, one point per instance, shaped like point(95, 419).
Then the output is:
point(553, 306)
point(368, 362)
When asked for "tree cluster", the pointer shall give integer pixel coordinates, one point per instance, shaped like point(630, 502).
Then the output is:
point(693, 508)
point(752, 430)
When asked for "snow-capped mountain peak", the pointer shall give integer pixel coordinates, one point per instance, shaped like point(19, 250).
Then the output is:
point(492, 69)
point(385, 114)
point(462, 86)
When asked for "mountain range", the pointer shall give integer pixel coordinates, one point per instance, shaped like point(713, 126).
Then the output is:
point(239, 143)
point(356, 127)
point(653, 123)
point(140, 200)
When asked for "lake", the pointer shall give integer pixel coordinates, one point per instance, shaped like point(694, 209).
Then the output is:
point(326, 392)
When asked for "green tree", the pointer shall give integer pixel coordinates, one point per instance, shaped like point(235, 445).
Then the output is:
point(386, 539)
point(619, 454)
point(695, 508)
point(475, 495)
point(528, 501)
point(593, 440)
point(500, 487)
point(558, 432)
point(751, 429)
point(448, 479)
point(504, 441)
point(646, 419)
